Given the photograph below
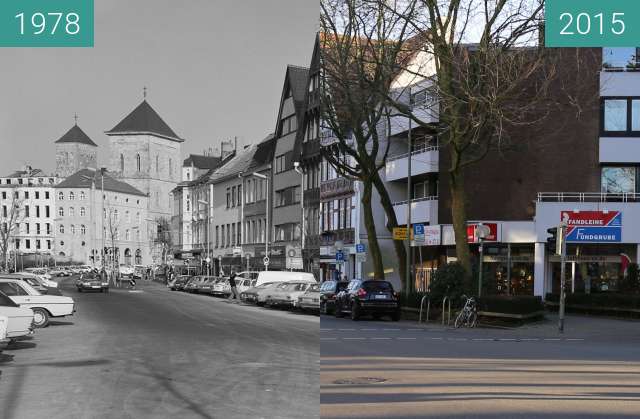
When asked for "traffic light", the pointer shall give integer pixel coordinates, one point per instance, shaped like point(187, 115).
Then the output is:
point(552, 242)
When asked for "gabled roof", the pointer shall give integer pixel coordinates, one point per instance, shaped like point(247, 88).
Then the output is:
point(233, 167)
point(295, 79)
point(76, 135)
point(202, 162)
point(82, 179)
point(144, 120)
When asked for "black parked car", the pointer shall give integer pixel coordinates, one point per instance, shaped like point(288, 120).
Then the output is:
point(328, 293)
point(180, 282)
point(89, 282)
point(373, 297)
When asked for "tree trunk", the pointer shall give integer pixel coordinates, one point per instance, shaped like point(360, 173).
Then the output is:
point(392, 221)
point(459, 216)
point(369, 224)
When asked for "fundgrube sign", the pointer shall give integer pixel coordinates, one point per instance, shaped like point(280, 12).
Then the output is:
point(472, 237)
point(593, 226)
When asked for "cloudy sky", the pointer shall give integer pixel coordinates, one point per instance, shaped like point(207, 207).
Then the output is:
point(214, 70)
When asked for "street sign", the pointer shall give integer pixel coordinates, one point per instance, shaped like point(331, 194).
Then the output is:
point(294, 263)
point(360, 248)
point(266, 261)
point(400, 233)
point(361, 257)
point(432, 235)
point(475, 231)
point(340, 257)
point(208, 260)
point(418, 234)
point(593, 226)
point(339, 244)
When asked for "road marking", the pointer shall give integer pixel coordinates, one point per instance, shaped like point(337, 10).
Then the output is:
point(552, 339)
point(380, 338)
point(482, 339)
point(136, 291)
point(436, 338)
point(415, 330)
point(407, 338)
point(354, 338)
point(368, 330)
point(347, 330)
point(325, 330)
point(507, 340)
point(328, 338)
point(574, 339)
point(394, 330)
point(530, 339)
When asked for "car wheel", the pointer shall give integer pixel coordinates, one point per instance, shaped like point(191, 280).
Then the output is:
point(40, 317)
point(355, 311)
point(337, 310)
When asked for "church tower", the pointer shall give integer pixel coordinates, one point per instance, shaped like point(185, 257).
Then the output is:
point(145, 152)
point(75, 151)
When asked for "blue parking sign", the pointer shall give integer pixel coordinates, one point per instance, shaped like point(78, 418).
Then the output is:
point(340, 256)
point(418, 229)
point(359, 248)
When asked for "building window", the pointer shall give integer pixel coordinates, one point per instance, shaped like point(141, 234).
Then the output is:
point(71, 212)
point(289, 125)
point(170, 168)
point(26, 210)
point(615, 115)
point(46, 211)
point(83, 229)
point(72, 196)
point(37, 211)
point(61, 229)
point(73, 229)
point(48, 244)
point(157, 164)
point(82, 196)
point(38, 244)
point(288, 196)
point(228, 197)
point(46, 195)
point(28, 229)
point(619, 179)
point(619, 57)
point(48, 228)
point(60, 196)
point(26, 194)
point(27, 244)
point(217, 236)
point(38, 228)
point(233, 196)
point(38, 194)
point(121, 163)
point(82, 212)
point(282, 163)
point(127, 235)
point(138, 163)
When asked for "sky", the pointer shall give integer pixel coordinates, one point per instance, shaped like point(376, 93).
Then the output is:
point(214, 70)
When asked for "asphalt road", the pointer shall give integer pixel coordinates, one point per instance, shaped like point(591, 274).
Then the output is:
point(395, 370)
point(161, 354)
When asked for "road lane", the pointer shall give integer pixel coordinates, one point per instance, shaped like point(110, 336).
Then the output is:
point(163, 354)
point(400, 370)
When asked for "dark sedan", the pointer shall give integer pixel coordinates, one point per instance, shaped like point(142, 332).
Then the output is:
point(92, 283)
point(376, 298)
point(328, 292)
point(180, 282)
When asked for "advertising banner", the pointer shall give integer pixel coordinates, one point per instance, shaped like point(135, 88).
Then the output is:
point(472, 237)
point(593, 226)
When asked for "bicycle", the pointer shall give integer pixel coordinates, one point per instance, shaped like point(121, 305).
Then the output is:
point(468, 316)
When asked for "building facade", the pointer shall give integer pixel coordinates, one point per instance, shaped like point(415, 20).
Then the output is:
point(99, 220)
point(27, 217)
point(75, 151)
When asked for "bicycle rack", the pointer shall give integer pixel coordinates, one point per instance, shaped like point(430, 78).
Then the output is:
point(449, 315)
point(444, 301)
point(428, 308)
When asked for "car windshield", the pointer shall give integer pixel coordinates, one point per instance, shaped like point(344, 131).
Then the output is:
point(6, 301)
point(375, 286)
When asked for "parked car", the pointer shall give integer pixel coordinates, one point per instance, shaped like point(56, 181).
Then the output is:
point(125, 270)
point(310, 299)
point(43, 279)
point(251, 295)
point(179, 283)
point(59, 272)
point(138, 271)
point(20, 318)
point(36, 282)
point(373, 297)
point(285, 276)
point(264, 294)
point(91, 282)
point(44, 306)
point(206, 285)
point(244, 284)
point(287, 295)
point(221, 287)
point(192, 285)
point(328, 293)
point(40, 272)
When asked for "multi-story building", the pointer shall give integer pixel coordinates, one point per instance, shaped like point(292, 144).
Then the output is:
point(99, 218)
point(286, 252)
point(254, 212)
point(225, 217)
point(308, 153)
point(27, 215)
point(145, 153)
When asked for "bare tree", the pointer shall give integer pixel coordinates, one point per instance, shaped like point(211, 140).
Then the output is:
point(356, 60)
point(9, 223)
point(112, 233)
point(162, 239)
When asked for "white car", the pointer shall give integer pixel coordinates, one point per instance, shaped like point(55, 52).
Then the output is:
point(4, 340)
point(20, 318)
point(46, 282)
point(287, 295)
point(43, 306)
point(126, 270)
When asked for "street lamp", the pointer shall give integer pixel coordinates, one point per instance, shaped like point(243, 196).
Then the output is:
point(267, 228)
point(207, 244)
point(102, 172)
point(296, 167)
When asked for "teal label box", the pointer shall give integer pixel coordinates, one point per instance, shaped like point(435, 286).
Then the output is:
point(592, 23)
point(46, 23)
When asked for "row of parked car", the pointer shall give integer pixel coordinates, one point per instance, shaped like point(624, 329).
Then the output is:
point(282, 289)
point(28, 301)
point(357, 298)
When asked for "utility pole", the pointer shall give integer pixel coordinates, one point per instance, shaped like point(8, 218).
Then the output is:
point(409, 196)
point(297, 168)
point(562, 244)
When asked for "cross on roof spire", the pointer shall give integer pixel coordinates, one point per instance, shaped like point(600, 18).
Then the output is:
point(144, 92)
point(75, 117)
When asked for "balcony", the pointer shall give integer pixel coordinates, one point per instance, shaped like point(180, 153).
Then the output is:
point(423, 210)
point(581, 197)
point(335, 188)
point(330, 237)
point(400, 123)
point(423, 160)
point(311, 148)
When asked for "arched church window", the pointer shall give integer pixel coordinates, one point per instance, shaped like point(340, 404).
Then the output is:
point(122, 163)
point(138, 161)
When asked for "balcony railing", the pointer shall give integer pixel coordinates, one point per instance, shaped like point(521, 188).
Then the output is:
point(428, 198)
point(416, 150)
point(587, 197)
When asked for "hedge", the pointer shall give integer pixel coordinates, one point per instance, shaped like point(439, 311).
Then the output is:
point(602, 300)
point(515, 304)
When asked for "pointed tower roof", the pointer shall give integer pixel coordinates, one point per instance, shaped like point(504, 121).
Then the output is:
point(144, 120)
point(76, 135)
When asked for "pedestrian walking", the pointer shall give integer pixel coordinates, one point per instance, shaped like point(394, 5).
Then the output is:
point(232, 284)
point(132, 283)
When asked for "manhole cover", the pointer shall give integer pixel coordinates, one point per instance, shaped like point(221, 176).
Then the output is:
point(360, 380)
